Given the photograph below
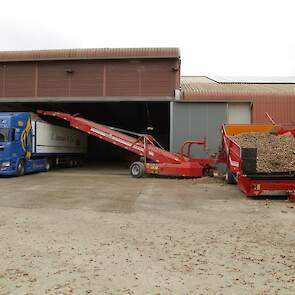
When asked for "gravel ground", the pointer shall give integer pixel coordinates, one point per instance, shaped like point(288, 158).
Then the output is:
point(98, 231)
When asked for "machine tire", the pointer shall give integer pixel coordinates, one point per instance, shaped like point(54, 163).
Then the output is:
point(229, 178)
point(20, 169)
point(211, 173)
point(137, 169)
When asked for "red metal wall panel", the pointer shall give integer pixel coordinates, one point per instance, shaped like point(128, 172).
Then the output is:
point(123, 78)
point(281, 109)
point(86, 78)
point(157, 83)
point(19, 80)
point(158, 78)
point(143, 78)
point(53, 80)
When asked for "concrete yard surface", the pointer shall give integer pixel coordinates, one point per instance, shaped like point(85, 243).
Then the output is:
point(96, 230)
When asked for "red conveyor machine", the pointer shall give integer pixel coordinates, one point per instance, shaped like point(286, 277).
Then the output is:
point(154, 159)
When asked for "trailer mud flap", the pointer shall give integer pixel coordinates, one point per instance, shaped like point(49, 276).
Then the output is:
point(249, 160)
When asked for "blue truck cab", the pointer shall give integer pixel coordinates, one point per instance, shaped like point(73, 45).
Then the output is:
point(16, 145)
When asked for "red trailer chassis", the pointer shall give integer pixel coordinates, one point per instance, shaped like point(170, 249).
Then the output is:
point(240, 169)
point(155, 160)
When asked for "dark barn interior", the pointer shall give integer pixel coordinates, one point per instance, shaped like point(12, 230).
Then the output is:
point(131, 116)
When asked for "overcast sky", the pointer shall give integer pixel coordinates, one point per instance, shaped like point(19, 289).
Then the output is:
point(222, 37)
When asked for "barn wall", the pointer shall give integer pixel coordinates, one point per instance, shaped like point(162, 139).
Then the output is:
point(89, 78)
point(191, 121)
point(281, 109)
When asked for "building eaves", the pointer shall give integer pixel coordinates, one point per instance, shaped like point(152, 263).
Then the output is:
point(91, 53)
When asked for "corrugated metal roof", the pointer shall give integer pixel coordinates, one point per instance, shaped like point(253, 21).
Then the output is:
point(197, 79)
point(90, 53)
point(204, 88)
point(255, 79)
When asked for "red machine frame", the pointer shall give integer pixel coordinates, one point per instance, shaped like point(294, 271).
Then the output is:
point(255, 184)
point(156, 160)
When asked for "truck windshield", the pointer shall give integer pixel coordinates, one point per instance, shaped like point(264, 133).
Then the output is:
point(4, 134)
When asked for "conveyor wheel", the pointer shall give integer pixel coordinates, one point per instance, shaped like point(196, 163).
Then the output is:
point(137, 169)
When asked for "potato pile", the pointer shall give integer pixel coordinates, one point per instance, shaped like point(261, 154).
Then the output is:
point(274, 153)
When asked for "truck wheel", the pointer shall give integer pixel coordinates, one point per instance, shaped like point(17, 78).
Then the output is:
point(229, 178)
point(20, 170)
point(48, 165)
point(137, 169)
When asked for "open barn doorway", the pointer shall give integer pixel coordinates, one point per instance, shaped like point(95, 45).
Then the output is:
point(132, 116)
